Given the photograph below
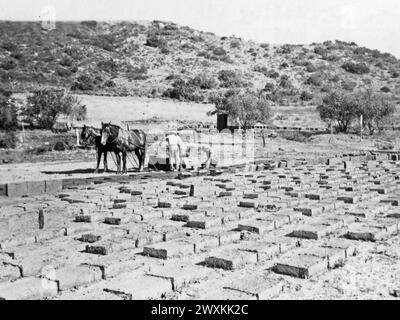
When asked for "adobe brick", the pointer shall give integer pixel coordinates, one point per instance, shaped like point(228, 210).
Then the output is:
point(39, 288)
point(17, 189)
point(300, 266)
point(170, 249)
point(260, 285)
point(230, 259)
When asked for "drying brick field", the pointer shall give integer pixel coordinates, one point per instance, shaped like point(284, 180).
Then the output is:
point(266, 231)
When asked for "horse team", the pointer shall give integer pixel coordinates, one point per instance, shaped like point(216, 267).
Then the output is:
point(112, 138)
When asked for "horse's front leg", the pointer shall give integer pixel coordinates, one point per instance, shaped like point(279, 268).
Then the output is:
point(139, 155)
point(124, 170)
point(143, 159)
point(105, 161)
point(118, 156)
point(98, 161)
point(208, 162)
point(141, 163)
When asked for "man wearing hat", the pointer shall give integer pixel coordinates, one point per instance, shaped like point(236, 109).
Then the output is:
point(175, 147)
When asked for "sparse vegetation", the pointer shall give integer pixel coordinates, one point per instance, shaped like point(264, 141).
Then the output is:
point(108, 65)
point(306, 96)
point(310, 67)
point(8, 120)
point(157, 41)
point(61, 145)
point(273, 74)
point(9, 46)
point(204, 81)
point(89, 23)
point(8, 112)
point(8, 139)
point(245, 108)
point(89, 56)
point(348, 85)
point(341, 109)
point(375, 108)
point(104, 41)
point(44, 106)
point(356, 68)
point(84, 82)
point(235, 44)
point(8, 64)
point(230, 79)
point(183, 90)
point(338, 109)
point(314, 80)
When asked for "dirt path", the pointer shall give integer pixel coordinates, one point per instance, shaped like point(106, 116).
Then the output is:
point(48, 170)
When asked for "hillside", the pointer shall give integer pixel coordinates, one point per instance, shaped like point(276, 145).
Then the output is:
point(160, 59)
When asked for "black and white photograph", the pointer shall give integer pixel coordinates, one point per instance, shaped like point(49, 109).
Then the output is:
point(219, 151)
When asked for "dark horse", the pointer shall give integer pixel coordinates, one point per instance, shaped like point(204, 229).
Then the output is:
point(124, 141)
point(91, 135)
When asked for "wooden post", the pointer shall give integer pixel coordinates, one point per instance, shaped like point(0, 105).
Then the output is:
point(23, 133)
point(77, 136)
point(361, 126)
point(41, 219)
point(191, 193)
point(263, 137)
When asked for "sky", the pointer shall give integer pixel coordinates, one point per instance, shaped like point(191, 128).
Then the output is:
point(371, 23)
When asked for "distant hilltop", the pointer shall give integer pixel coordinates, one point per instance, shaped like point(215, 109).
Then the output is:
point(163, 59)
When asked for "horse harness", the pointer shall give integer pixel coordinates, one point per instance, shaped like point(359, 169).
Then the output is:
point(91, 133)
point(129, 141)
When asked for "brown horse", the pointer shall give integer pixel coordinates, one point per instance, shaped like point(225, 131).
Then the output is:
point(124, 141)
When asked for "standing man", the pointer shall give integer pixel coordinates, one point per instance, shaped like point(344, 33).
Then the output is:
point(175, 147)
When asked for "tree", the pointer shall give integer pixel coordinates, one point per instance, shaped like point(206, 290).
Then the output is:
point(78, 110)
point(45, 105)
point(245, 108)
point(339, 109)
point(375, 108)
point(8, 112)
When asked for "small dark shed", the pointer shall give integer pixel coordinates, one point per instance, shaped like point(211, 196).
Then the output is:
point(222, 121)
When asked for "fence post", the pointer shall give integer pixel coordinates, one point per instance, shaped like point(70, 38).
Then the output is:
point(77, 136)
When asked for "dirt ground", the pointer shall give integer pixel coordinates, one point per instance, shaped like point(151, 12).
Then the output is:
point(82, 162)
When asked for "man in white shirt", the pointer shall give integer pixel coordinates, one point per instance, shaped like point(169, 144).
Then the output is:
point(178, 149)
point(175, 148)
